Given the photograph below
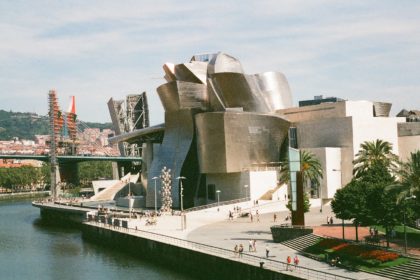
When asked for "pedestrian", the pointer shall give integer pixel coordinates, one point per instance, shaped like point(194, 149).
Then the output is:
point(331, 220)
point(236, 250)
point(254, 245)
point(289, 260)
point(328, 220)
point(267, 251)
point(251, 217)
point(258, 216)
point(230, 215)
point(275, 217)
point(296, 261)
point(241, 250)
point(250, 246)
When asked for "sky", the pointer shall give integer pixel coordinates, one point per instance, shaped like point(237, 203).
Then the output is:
point(95, 50)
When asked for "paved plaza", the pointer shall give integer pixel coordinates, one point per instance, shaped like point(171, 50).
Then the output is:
point(213, 227)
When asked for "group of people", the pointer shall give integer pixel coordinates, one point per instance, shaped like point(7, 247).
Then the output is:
point(257, 215)
point(289, 262)
point(238, 250)
point(330, 220)
point(373, 231)
point(252, 247)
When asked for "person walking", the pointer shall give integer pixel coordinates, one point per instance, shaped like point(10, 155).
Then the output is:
point(331, 220)
point(328, 220)
point(236, 250)
point(296, 261)
point(275, 217)
point(241, 250)
point(267, 251)
point(250, 246)
point(288, 260)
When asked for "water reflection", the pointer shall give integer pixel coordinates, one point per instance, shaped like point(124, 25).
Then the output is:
point(33, 249)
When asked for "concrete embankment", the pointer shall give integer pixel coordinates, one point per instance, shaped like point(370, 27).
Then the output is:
point(61, 214)
point(23, 195)
point(202, 265)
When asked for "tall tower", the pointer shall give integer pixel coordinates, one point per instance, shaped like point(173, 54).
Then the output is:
point(56, 122)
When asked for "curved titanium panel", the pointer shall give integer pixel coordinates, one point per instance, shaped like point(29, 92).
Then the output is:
point(194, 72)
point(275, 90)
point(179, 134)
point(224, 63)
point(178, 95)
point(231, 141)
point(238, 90)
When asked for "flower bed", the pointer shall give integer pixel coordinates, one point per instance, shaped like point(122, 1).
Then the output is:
point(351, 252)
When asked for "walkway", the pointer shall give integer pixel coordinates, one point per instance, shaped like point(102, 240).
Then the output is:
point(212, 227)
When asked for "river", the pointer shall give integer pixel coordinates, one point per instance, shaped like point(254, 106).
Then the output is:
point(29, 249)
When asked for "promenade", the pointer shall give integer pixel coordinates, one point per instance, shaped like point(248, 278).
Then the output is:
point(212, 227)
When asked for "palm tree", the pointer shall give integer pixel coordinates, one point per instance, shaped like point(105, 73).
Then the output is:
point(409, 178)
point(373, 153)
point(309, 166)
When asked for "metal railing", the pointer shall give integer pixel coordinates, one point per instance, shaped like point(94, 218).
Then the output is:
point(222, 203)
point(278, 266)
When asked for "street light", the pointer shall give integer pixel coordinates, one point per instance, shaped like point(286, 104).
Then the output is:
point(155, 178)
point(405, 230)
point(180, 178)
point(218, 197)
point(246, 191)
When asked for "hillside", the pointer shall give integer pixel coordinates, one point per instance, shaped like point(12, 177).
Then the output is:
point(27, 125)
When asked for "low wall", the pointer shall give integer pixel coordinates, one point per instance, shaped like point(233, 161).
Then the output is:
point(56, 214)
point(281, 233)
point(23, 195)
point(194, 263)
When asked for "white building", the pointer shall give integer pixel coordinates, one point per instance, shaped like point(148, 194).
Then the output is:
point(334, 132)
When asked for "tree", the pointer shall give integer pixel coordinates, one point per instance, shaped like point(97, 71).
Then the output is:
point(306, 204)
point(408, 186)
point(409, 177)
point(381, 204)
point(373, 153)
point(349, 203)
point(309, 166)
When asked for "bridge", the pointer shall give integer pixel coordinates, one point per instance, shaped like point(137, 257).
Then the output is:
point(73, 159)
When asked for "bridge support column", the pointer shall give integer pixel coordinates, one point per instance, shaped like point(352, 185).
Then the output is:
point(69, 172)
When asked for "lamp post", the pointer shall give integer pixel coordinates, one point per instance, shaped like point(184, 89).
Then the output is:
point(180, 178)
point(218, 197)
point(155, 178)
point(405, 230)
point(246, 191)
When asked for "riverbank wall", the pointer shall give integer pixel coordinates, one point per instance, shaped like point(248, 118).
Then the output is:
point(201, 265)
point(61, 214)
point(23, 195)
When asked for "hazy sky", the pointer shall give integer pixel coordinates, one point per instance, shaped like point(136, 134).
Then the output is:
point(96, 50)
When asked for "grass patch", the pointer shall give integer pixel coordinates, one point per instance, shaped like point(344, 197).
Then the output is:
point(399, 261)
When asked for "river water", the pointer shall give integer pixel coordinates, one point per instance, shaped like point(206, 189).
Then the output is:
point(31, 250)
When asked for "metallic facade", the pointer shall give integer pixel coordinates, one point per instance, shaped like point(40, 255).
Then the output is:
point(218, 120)
point(229, 142)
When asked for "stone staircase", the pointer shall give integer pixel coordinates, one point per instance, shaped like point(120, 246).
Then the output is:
point(407, 271)
point(302, 242)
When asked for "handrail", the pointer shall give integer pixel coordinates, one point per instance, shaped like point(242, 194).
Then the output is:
point(216, 204)
point(304, 272)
